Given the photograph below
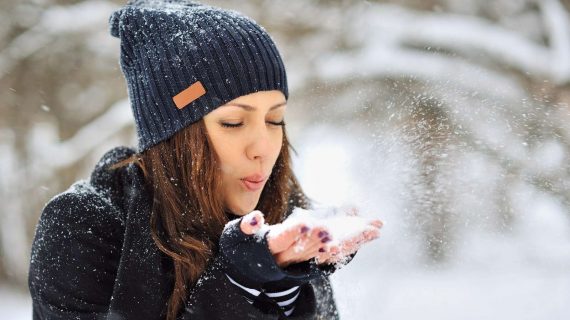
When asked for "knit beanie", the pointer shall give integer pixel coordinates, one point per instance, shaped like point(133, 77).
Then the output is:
point(182, 59)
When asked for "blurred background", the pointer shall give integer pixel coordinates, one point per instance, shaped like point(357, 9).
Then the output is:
point(448, 119)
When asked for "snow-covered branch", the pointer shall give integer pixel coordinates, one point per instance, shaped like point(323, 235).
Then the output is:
point(389, 35)
point(378, 60)
point(100, 130)
point(557, 25)
point(55, 22)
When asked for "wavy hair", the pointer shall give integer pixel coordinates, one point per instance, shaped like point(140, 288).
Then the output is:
point(188, 215)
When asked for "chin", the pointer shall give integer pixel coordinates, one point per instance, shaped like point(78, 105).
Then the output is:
point(243, 209)
point(242, 203)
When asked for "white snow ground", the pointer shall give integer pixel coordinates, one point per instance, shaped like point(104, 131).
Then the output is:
point(15, 304)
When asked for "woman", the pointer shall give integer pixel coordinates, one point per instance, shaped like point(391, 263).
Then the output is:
point(171, 230)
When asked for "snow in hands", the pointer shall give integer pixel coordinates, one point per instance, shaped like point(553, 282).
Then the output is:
point(341, 231)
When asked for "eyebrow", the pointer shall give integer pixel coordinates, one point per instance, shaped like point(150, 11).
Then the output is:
point(250, 108)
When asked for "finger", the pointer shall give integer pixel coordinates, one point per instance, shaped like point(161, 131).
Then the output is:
point(318, 246)
point(289, 256)
point(299, 252)
point(312, 251)
point(310, 242)
point(306, 247)
point(347, 246)
point(377, 223)
point(370, 234)
point(281, 237)
point(350, 246)
point(324, 254)
point(318, 237)
point(341, 254)
point(252, 222)
point(329, 253)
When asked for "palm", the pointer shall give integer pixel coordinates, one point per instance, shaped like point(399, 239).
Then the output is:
point(292, 243)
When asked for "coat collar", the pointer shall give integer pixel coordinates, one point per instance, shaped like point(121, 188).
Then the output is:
point(119, 185)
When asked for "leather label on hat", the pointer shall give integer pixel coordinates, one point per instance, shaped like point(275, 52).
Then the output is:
point(186, 96)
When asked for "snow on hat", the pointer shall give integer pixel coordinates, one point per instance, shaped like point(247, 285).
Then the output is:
point(183, 59)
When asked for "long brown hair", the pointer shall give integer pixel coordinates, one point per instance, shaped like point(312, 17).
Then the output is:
point(188, 215)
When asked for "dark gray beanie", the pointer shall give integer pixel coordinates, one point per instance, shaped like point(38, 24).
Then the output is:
point(182, 59)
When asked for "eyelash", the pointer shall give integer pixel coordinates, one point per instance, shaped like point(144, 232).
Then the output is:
point(236, 125)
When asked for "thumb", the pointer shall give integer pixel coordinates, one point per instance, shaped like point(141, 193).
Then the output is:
point(252, 222)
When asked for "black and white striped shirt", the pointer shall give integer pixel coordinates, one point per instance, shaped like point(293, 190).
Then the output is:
point(285, 299)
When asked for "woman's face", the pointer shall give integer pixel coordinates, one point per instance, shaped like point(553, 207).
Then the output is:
point(247, 135)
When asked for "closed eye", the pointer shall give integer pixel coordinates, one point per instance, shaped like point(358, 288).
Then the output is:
point(281, 123)
point(231, 125)
point(237, 125)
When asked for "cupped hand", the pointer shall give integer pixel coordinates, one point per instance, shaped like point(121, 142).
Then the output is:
point(296, 242)
point(338, 253)
point(289, 243)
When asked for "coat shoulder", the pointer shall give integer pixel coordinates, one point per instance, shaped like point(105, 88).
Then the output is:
point(75, 254)
point(81, 204)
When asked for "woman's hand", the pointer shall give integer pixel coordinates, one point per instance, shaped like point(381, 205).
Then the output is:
point(339, 252)
point(295, 243)
point(347, 247)
point(289, 244)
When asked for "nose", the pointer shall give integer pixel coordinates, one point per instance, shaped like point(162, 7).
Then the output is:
point(259, 144)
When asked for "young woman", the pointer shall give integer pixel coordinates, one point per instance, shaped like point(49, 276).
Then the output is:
point(171, 231)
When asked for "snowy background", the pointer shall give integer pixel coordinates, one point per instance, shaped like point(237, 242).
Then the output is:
point(448, 119)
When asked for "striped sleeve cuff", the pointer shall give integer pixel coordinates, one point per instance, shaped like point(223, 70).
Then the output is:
point(285, 299)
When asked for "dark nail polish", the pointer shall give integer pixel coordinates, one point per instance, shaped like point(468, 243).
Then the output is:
point(325, 239)
point(323, 234)
point(253, 221)
point(304, 229)
point(322, 250)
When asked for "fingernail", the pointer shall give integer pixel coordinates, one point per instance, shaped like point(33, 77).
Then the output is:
point(304, 229)
point(253, 221)
point(322, 250)
point(323, 234)
point(325, 239)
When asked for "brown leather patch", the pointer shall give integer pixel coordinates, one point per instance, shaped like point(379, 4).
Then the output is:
point(186, 96)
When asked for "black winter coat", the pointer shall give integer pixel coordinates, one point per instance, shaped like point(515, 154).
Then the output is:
point(93, 258)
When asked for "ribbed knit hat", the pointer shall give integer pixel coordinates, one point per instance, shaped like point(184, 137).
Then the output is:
point(183, 59)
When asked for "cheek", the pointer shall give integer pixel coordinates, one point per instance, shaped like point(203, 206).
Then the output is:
point(226, 168)
point(228, 155)
point(231, 193)
point(277, 143)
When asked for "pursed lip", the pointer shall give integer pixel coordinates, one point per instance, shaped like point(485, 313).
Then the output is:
point(253, 182)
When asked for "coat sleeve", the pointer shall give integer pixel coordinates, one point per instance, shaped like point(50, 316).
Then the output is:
point(249, 262)
point(215, 297)
point(74, 257)
point(325, 301)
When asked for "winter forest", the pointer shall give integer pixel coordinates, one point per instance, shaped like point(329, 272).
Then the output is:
point(447, 119)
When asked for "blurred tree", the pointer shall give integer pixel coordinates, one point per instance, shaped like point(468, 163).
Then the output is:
point(58, 72)
point(451, 77)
